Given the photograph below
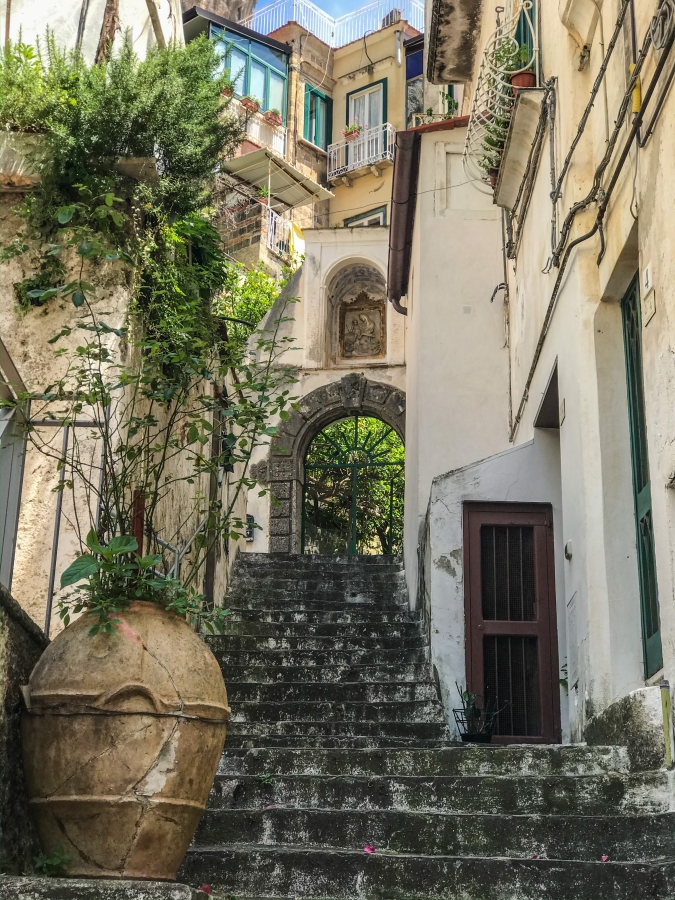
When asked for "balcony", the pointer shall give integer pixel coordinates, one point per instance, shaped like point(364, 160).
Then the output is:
point(279, 233)
point(369, 152)
point(260, 132)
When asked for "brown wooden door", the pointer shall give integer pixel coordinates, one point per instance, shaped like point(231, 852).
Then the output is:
point(511, 628)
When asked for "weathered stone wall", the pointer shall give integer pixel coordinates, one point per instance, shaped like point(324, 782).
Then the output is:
point(21, 645)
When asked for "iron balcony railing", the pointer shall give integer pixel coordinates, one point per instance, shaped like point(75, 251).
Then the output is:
point(493, 98)
point(343, 30)
point(260, 131)
point(278, 234)
point(372, 146)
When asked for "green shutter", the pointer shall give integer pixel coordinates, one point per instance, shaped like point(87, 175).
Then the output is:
point(308, 91)
point(649, 598)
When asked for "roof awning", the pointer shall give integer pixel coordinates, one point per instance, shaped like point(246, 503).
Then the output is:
point(264, 168)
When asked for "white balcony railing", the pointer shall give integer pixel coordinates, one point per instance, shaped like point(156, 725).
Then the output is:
point(261, 132)
point(372, 146)
point(336, 32)
point(278, 234)
point(493, 98)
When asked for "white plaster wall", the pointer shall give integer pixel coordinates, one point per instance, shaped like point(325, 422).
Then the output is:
point(29, 20)
point(327, 251)
point(457, 399)
point(529, 473)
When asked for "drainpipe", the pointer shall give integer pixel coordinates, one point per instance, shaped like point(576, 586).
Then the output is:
point(398, 48)
point(403, 202)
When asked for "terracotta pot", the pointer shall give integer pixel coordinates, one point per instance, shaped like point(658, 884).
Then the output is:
point(121, 741)
point(352, 135)
point(272, 119)
point(493, 175)
point(250, 105)
point(523, 80)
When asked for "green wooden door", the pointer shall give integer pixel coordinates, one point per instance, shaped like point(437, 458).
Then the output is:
point(649, 598)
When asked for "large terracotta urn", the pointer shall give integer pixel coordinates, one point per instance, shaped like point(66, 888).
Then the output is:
point(122, 735)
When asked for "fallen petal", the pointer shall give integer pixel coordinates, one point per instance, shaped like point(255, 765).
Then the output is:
point(206, 889)
point(369, 848)
point(604, 858)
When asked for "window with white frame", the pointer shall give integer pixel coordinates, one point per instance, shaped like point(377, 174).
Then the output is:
point(366, 107)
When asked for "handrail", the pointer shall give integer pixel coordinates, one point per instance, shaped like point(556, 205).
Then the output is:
point(342, 30)
point(493, 97)
point(373, 145)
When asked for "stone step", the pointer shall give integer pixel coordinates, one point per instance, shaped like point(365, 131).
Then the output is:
point(241, 740)
point(309, 872)
point(297, 561)
point(264, 602)
point(460, 759)
point(400, 631)
point(231, 642)
point(326, 674)
point(359, 691)
point(328, 596)
point(228, 656)
point(546, 795)
point(299, 731)
point(347, 615)
point(385, 581)
point(622, 838)
point(408, 712)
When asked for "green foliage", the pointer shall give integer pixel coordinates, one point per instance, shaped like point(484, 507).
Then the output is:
point(31, 291)
point(247, 295)
point(52, 865)
point(361, 459)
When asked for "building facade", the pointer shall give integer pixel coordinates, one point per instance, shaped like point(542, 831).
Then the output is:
point(540, 435)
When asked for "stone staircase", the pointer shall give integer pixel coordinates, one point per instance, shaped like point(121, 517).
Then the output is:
point(338, 742)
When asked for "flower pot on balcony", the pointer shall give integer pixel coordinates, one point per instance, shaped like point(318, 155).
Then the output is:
point(122, 735)
point(249, 104)
point(351, 135)
point(19, 157)
point(227, 92)
point(272, 118)
point(493, 175)
point(523, 80)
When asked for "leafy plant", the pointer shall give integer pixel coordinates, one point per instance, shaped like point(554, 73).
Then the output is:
point(263, 192)
point(352, 128)
point(266, 780)
point(472, 718)
point(52, 865)
point(274, 112)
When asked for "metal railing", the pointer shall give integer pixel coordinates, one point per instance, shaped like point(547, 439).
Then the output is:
point(12, 458)
point(343, 30)
point(278, 234)
point(372, 146)
point(493, 97)
point(261, 132)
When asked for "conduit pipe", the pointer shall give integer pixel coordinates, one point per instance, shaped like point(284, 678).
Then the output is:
point(637, 121)
point(403, 201)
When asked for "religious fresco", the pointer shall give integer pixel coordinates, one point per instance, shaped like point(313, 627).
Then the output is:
point(362, 328)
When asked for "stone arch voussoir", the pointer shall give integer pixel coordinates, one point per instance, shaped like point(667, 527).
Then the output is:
point(283, 469)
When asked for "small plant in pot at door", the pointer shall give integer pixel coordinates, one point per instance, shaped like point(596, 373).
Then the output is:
point(475, 724)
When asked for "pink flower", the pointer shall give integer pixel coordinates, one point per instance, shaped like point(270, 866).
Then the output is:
point(604, 858)
point(271, 806)
point(369, 848)
point(206, 889)
point(535, 856)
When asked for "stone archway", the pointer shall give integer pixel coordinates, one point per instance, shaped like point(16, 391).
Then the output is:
point(283, 469)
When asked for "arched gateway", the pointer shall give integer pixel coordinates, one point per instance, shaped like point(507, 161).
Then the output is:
point(283, 470)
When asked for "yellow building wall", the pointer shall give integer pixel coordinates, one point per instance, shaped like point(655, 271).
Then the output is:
point(356, 66)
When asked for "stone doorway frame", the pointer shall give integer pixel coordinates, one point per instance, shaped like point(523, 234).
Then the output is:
point(283, 470)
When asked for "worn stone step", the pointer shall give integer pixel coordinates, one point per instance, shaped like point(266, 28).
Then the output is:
point(308, 580)
point(328, 596)
point(399, 631)
point(241, 740)
point(308, 872)
point(298, 731)
point(264, 601)
point(622, 838)
point(228, 656)
point(347, 615)
point(461, 759)
point(338, 674)
point(295, 561)
point(518, 795)
point(408, 712)
point(359, 691)
point(231, 642)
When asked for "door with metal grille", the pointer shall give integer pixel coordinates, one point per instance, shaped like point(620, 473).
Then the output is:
point(649, 598)
point(511, 628)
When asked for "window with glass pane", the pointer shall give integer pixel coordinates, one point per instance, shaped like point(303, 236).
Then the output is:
point(237, 63)
point(254, 68)
point(366, 108)
point(276, 93)
point(318, 117)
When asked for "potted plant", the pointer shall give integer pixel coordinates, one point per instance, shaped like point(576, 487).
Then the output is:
point(263, 195)
point(252, 104)
point(227, 91)
point(24, 101)
point(525, 77)
point(352, 131)
point(475, 724)
point(273, 117)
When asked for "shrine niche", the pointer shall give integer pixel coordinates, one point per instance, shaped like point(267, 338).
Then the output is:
point(362, 327)
point(357, 312)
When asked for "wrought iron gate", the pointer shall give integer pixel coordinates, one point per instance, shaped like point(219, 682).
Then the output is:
point(353, 489)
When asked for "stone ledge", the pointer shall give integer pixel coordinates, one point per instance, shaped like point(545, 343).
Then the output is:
point(9, 605)
point(32, 888)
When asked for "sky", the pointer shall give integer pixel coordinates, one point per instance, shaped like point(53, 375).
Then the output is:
point(335, 8)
